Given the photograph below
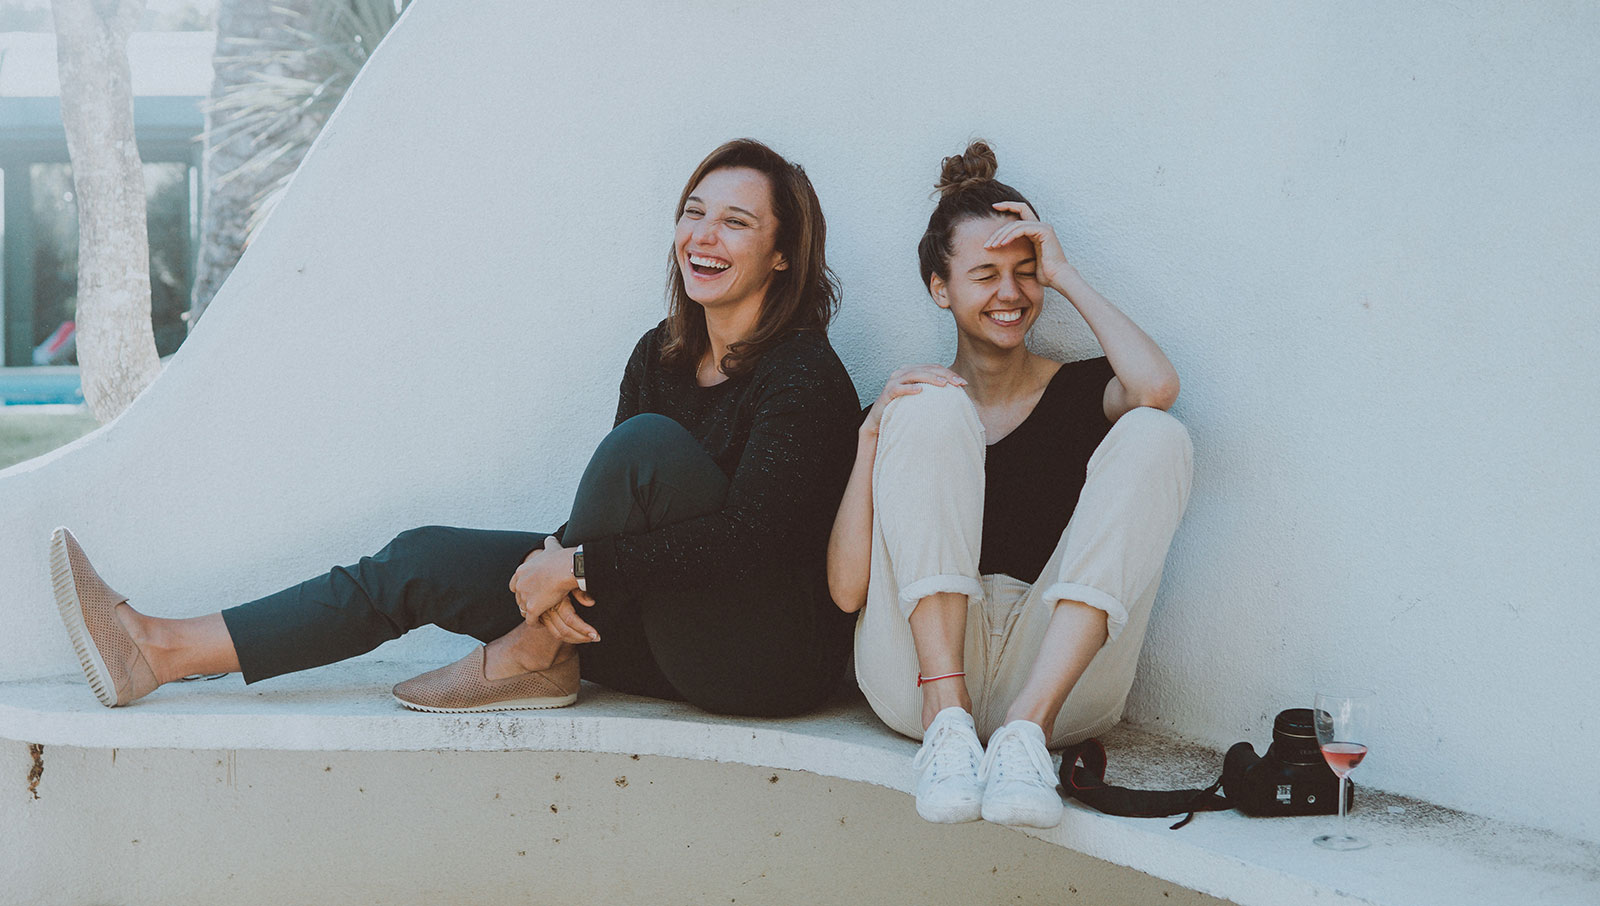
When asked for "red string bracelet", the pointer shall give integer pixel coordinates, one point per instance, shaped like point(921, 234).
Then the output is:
point(928, 679)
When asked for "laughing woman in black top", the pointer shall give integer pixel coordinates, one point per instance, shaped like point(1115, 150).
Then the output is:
point(1008, 517)
point(692, 566)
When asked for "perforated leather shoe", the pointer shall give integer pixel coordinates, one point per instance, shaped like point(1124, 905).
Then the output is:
point(463, 687)
point(115, 667)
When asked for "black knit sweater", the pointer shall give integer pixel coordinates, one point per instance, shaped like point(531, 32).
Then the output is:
point(784, 434)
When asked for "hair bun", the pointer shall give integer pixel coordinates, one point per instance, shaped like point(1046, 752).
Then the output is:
point(975, 165)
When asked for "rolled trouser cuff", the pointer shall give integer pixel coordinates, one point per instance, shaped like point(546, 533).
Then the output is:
point(1116, 614)
point(933, 585)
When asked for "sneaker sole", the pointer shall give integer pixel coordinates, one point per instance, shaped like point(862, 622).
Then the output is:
point(1022, 817)
point(71, 609)
point(510, 704)
point(953, 815)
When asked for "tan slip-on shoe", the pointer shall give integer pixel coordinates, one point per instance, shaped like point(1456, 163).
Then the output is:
point(114, 665)
point(462, 687)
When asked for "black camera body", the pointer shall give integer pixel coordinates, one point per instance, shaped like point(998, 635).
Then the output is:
point(1291, 779)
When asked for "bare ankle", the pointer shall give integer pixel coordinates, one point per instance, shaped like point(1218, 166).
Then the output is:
point(1036, 714)
point(523, 650)
point(940, 694)
point(538, 660)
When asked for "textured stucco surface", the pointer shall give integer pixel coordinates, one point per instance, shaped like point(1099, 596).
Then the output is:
point(1365, 236)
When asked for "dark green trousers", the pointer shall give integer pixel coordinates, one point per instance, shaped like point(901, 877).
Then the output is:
point(766, 649)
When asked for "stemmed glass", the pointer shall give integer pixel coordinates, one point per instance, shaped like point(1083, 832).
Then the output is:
point(1343, 719)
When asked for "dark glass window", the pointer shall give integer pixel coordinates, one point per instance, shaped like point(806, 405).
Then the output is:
point(55, 250)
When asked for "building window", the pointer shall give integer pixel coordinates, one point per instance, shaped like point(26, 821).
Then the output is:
point(48, 316)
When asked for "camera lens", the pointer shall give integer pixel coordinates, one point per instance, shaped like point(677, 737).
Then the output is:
point(1294, 737)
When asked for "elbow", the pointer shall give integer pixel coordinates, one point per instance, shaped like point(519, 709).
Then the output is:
point(1160, 395)
point(846, 567)
point(847, 595)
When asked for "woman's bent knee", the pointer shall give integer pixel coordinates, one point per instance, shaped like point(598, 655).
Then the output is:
point(646, 425)
point(1157, 424)
point(933, 413)
point(425, 553)
point(647, 437)
point(1153, 431)
point(642, 433)
point(414, 542)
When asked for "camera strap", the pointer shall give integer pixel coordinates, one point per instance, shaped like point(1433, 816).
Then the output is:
point(1083, 777)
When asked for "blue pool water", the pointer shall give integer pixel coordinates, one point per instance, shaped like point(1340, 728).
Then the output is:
point(31, 386)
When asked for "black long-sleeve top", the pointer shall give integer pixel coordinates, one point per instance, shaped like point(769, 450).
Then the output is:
point(784, 434)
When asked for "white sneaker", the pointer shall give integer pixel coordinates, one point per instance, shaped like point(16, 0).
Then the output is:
point(1019, 778)
point(948, 788)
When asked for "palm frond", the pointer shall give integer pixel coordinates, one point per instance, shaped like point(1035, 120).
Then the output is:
point(299, 72)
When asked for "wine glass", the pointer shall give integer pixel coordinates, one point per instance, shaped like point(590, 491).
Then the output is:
point(1344, 720)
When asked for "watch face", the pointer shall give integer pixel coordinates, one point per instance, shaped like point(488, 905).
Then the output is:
point(577, 564)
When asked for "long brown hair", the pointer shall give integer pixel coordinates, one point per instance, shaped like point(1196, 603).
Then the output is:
point(967, 189)
point(805, 294)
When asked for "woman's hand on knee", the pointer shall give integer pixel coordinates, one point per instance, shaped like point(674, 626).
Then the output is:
point(563, 622)
point(904, 382)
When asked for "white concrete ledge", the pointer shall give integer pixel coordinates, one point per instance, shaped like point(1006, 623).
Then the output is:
point(1421, 854)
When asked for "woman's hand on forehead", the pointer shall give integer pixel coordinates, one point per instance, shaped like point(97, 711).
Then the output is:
point(1053, 263)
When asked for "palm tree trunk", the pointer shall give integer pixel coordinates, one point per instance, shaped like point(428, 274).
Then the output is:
point(116, 344)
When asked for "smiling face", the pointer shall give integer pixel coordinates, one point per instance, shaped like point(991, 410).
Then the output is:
point(994, 294)
point(726, 241)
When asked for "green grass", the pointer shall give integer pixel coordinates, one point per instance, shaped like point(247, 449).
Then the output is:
point(25, 434)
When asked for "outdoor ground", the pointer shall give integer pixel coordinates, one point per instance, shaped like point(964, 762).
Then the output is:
point(26, 432)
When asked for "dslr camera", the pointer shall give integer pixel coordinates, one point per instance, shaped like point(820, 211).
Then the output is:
point(1291, 779)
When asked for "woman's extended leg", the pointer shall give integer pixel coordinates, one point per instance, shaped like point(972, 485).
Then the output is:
point(455, 578)
point(648, 472)
point(451, 577)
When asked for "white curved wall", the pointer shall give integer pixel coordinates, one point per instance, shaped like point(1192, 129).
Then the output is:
point(1365, 236)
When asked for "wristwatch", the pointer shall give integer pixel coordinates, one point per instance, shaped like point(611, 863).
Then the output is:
point(577, 568)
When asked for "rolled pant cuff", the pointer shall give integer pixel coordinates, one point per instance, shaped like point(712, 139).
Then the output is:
point(932, 585)
point(1116, 614)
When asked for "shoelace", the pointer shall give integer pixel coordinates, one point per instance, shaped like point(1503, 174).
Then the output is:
point(1009, 757)
point(948, 754)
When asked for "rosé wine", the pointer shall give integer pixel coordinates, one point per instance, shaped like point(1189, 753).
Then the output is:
point(1344, 756)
